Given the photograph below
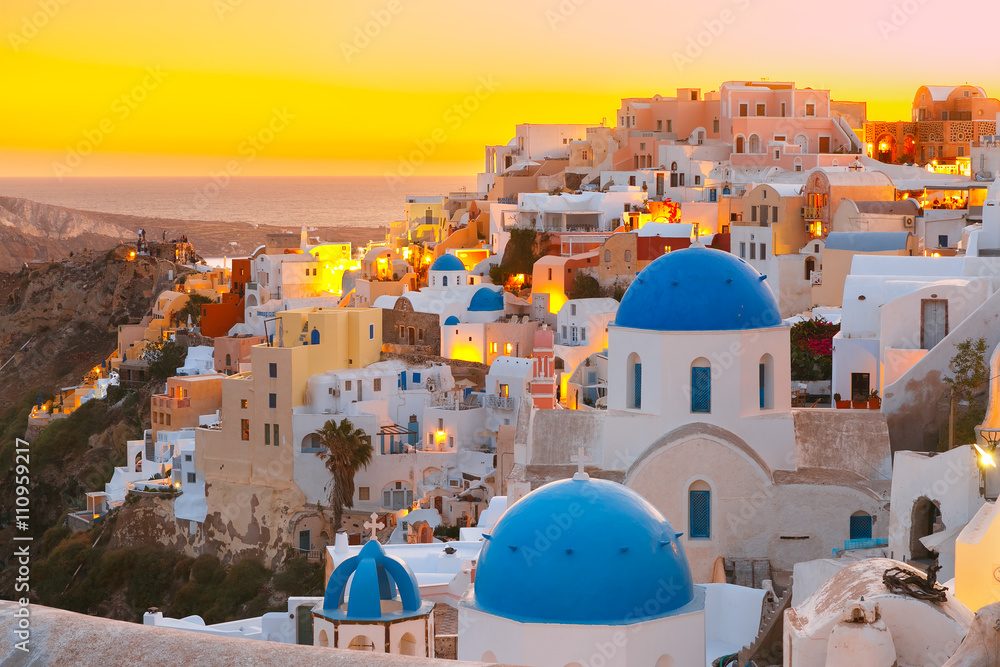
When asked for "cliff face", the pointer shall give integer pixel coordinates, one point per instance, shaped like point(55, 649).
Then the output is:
point(30, 231)
point(59, 320)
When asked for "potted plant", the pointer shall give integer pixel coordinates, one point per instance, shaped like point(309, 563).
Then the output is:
point(841, 405)
point(874, 402)
point(859, 402)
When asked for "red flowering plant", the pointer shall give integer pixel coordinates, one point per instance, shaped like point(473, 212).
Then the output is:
point(812, 349)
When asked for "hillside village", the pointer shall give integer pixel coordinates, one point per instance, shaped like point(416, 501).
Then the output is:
point(726, 370)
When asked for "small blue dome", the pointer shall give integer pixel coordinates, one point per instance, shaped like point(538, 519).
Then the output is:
point(584, 551)
point(698, 289)
point(451, 321)
point(486, 299)
point(447, 262)
point(382, 587)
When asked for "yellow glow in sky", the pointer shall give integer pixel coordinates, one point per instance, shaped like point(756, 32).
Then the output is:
point(321, 86)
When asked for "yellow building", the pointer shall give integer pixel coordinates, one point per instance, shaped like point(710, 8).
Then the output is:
point(254, 445)
point(977, 559)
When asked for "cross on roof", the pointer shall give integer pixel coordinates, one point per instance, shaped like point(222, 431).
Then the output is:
point(580, 458)
point(374, 525)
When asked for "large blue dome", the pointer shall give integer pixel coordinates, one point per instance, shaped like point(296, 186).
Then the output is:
point(584, 551)
point(698, 289)
point(447, 262)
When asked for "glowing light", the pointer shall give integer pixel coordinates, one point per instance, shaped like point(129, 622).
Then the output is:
point(987, 459)
point(440, 434)
point(937, 254)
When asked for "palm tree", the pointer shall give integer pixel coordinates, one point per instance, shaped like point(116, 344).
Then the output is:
point(346, 450)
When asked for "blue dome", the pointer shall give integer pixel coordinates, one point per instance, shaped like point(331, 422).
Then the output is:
point(584, 551)
point(452, 320)
point(698, 289)
point(382, 587)
point(447, 262)
point(486, 299)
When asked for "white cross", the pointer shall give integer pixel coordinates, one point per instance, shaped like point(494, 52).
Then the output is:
point(374, 525)
point(580, 458)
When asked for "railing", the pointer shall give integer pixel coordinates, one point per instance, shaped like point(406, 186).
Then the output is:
point(501, 402)
point(863, 543)
point(162, 401)
point(812, 212)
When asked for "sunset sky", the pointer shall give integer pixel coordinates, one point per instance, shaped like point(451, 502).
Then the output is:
point(178, 87)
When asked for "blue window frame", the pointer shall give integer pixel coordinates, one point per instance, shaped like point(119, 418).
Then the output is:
point(763, 399)
point(416, 378)
point(861, 527)
point(371, 332)
point(272, 370)
point(314, 337)
point(637, 404)
point(701, 389)
point(700, 519)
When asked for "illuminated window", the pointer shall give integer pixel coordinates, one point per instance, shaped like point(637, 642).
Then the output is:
point(508, 348)
point(493, 348)
point(243, 403)
point(244, 429)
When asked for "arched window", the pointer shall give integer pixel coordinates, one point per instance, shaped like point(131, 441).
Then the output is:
point(361, 643)
point(444, 281)
point(754, 144)
point(701, 385)
point(314, 337)
point(607, 255)
point(665, 661)
point(700, 511)
point(633, 384)
point(765, 382)
point(673, 166)
point(324, 639)
point(628, 255)
point(408, 645)
point(861, 526)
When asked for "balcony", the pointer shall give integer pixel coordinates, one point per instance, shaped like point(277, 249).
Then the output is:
point(164, 401)
point(501, 402)
point(812, 212)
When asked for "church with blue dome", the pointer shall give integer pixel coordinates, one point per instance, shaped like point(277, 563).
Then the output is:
point(372, 603)
point(700, 423)
point(583, 561)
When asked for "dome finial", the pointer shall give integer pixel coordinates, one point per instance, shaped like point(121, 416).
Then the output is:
point(579, 459)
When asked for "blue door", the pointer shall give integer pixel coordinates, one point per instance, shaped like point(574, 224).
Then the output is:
point(763, 401)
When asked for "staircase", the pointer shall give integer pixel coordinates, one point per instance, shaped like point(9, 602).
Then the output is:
point(769, 625)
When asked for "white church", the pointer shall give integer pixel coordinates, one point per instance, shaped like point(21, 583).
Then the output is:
point(699, 422)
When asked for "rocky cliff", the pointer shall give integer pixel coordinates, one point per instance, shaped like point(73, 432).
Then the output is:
point(32, 232)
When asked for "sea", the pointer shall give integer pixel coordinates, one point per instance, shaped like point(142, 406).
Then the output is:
point(312, 201)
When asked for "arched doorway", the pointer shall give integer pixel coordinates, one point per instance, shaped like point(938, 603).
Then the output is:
point(323, 639)
point(489, 657)
point(925, 519)
point(754, 144)
point(810, 267)
point(802, 141)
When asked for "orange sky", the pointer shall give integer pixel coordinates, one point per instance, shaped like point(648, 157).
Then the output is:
point(109, 87)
